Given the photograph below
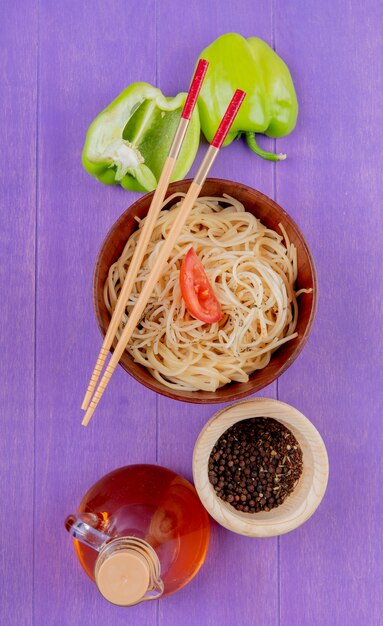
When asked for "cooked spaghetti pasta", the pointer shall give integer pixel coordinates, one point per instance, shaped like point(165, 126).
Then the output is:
point(252, 270)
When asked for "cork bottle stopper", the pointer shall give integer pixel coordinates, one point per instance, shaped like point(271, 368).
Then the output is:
point(124, 577)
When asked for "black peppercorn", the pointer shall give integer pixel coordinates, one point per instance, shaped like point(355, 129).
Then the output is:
point(255, 464)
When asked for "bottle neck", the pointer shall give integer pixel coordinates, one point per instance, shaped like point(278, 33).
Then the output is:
point(128, 571)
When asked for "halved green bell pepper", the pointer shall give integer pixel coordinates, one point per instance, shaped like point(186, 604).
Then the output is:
point(129, 141)
point(270, 106)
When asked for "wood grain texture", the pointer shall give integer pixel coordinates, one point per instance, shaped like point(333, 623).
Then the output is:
point(329, 571)
point(18, 96)
point(331, 568)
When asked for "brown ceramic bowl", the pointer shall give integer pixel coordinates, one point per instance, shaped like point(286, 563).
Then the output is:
point(271, 214)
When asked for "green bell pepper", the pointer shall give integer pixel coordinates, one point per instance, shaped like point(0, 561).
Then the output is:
point(270, 107)
point(129, 141)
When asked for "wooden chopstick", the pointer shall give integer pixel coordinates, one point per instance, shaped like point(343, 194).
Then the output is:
point(167, 247)
point(147, 229)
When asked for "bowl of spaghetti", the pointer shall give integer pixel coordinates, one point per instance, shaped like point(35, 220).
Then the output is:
point(257, 264)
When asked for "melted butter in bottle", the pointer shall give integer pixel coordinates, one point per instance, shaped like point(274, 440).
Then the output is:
point(159, 531)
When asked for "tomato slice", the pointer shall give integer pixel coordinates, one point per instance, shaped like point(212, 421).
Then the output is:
point(200, 299)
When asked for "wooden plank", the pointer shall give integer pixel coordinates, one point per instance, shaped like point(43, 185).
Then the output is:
point(89, 53)
point(331, 568)
point(18, 69)
point(239, 575)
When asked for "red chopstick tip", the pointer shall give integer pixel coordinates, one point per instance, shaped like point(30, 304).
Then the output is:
point(195, 88)
point(228, 118)
point(238, 97)
point(202, 65)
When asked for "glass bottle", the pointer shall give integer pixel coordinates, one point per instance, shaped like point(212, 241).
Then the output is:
point(140, 533)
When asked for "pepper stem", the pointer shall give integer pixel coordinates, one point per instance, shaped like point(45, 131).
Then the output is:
point(270, 156)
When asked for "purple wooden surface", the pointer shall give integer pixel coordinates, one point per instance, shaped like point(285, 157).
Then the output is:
point(18, 54)
point(59, 67)
point(331, 568)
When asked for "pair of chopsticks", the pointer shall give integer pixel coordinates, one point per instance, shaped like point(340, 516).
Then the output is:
point(90, 403)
